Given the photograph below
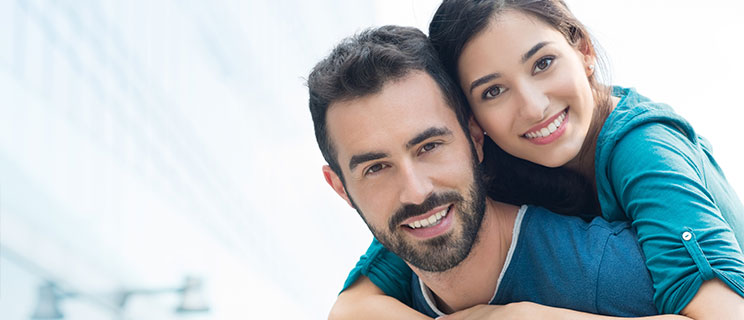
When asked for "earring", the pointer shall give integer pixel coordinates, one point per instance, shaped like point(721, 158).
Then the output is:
point(591, 67)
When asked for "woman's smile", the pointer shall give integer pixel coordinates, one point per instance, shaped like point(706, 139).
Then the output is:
point(548, 131)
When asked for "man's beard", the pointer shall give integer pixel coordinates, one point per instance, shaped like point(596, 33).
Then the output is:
point(446, 251)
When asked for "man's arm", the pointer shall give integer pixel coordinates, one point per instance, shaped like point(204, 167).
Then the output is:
point(364, 300)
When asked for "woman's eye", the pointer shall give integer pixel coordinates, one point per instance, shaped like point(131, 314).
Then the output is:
point(493, 92)
point(543, 64)
point(375, 168)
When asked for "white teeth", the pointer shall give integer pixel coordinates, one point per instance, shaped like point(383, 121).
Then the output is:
point(552, 127)
point(432, 220)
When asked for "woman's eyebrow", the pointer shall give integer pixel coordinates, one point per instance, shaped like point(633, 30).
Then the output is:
point(525, 57)
point(483, 80)
point(534, 50)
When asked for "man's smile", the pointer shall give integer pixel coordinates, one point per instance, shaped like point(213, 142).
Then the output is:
point(433, 223)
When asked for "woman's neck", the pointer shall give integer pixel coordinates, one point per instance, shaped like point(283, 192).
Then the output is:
point(583, 163)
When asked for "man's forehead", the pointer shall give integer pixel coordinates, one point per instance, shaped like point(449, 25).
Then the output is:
point(389, 118)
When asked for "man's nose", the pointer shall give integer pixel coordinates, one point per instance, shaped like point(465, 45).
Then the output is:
point(416, 184)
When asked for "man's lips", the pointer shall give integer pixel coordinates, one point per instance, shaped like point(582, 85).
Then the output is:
point(429, 218)
point(437, 223)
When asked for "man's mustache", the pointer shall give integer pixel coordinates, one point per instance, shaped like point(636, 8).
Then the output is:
point(431, 202)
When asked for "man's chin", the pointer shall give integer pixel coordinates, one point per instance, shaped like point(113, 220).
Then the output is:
point(437, 254)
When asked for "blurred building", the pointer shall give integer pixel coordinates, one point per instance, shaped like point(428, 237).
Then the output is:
point(145, 141)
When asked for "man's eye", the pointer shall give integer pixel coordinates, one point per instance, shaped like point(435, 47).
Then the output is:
point(493, 92)
point(429, 146)
point(375, 168)
point(543, 64)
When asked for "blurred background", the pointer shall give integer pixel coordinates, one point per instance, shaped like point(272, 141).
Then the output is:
point(157, 158)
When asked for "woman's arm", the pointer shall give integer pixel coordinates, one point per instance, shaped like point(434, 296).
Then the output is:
point(529, 310)
point(378, 287)
point(684, 215)
point(363, 300)
point(715, 300)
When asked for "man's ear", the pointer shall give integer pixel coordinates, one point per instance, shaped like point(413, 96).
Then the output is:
point(335, 182)
point(477, 135)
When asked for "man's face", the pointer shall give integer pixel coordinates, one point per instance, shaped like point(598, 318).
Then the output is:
point(409, 171)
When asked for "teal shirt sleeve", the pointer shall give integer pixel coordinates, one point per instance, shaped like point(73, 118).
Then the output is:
point(658, 179)
point(386, 270)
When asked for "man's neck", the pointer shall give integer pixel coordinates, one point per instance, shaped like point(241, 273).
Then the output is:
point(474, 280)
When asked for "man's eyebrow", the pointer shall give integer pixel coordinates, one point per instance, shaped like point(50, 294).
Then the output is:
point(358, 159)
point(534, 50)
point(428, 133)
point(364, 157)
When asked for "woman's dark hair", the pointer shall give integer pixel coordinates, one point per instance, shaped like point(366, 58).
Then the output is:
point(512, 179)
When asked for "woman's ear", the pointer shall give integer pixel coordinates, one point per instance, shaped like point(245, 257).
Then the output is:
point(334, 181)
point(477, 135)
point(586, 47)
point(588, 55)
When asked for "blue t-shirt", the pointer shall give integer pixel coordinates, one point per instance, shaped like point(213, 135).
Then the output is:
point(652, 169)
point(566, 262)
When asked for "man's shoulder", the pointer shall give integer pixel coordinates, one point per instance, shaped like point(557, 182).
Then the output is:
point(539, 217)
point(544, 233)
point(578, 264)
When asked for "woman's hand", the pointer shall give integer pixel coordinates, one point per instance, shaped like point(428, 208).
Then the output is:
point(515, 310)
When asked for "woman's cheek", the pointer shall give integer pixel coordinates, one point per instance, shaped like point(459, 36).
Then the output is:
point(492, 122)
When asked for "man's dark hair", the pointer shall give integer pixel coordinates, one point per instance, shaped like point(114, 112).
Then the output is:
point(362, 64)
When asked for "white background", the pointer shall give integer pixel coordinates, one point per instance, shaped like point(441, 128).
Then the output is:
point(144, 141)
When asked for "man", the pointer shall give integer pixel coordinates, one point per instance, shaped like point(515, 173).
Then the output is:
point(403, 151)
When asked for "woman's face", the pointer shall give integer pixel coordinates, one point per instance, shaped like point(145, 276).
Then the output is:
point(528, 88)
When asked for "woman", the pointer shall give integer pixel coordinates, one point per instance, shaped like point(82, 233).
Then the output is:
point(528, 70)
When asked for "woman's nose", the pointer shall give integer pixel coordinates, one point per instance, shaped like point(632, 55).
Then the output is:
point(534, 103)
